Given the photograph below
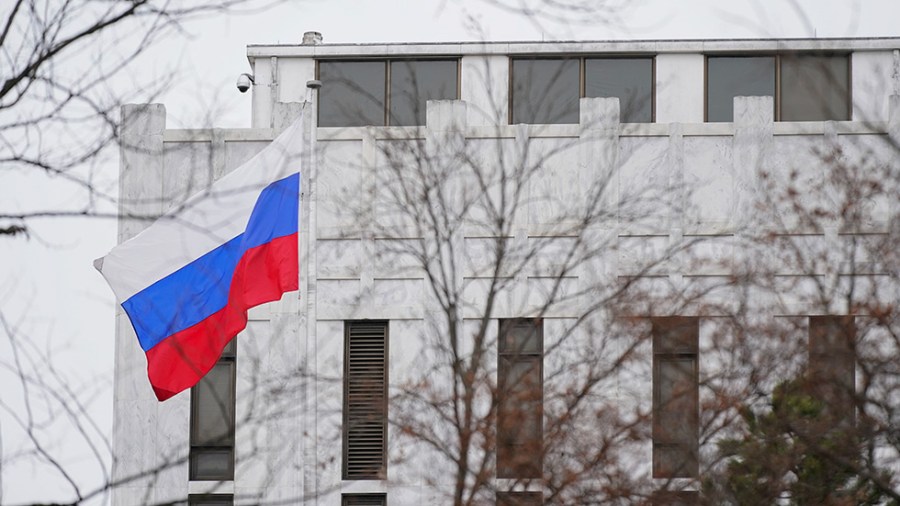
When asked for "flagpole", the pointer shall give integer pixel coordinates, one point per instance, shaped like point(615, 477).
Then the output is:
point(310, 414)
point(308, 168)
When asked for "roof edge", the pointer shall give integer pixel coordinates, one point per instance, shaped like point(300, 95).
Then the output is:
point(613, 45)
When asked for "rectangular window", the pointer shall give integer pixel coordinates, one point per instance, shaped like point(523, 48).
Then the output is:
point(520, 398)
point(383, 92)
point(832, 364)
point(547, 90)
point(628, 79)
point(415, 82)
point(212, 420)
point(363, 500)
point(675, 498)
point(210, 500)
point(365, 400)
point(815, 88)
point(676, 406)
point(729, 77)
point(520, 498)
point(805, 87)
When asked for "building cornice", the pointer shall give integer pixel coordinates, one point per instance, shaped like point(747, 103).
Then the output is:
point(558, 47)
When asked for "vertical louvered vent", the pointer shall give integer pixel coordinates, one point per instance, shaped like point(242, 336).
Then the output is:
point(365, 400)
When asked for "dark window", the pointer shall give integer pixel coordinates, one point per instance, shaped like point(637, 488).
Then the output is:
point(832, 365)
point(212, 421)
point(547, 90)
point(520, 399)
point(365, 400)
point(414, 82)
point(805, 87)
point(815, 88)
point(352, 93)
point(674, 498)
point(363, 500)
point(520, 498)
point(628, 79)
point(210, 500)
point(675, 397)
point(381, 92)
point(729, 77)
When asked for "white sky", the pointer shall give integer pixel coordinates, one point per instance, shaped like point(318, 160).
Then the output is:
point(48, 285)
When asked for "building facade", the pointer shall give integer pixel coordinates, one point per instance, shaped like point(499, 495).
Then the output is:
point(535, 272)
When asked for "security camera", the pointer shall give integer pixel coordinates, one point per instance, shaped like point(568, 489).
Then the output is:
point(244, 81)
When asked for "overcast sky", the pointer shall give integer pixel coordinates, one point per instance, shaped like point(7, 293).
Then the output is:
point(47, 284)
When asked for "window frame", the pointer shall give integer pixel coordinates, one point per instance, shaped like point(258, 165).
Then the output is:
point(582, 85)
point(345, 417)
point(505, 360)
point(386, 113)
point(692, 350)
point(228, 356)
point(777, 60)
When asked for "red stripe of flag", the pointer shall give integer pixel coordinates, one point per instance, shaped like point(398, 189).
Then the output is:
point(263, 274)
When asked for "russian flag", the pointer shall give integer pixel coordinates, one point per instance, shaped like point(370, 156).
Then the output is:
point(187, 281)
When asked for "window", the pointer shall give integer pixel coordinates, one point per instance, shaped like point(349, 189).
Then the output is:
point(674, 498)
point(675, 397)
point(805, 87)
point(832, 365)
point(629, 79)
point(365, 400)
point(210, 500)
point(729, 77)
point(363, 500)
point(212, 421)
point(815, 88)
point(547, 90)
point(520, 399)
point(520, 499)
point(383, 92)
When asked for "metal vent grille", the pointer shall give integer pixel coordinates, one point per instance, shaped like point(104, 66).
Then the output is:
point(365, 400)
point(363, 500)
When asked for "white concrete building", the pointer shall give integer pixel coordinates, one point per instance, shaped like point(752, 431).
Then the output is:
point(636, 155)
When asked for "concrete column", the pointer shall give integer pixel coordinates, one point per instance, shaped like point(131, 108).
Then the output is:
point(263, 90)
point(284, 114)
point(445, 142)
point(141, 167)
point(445, 145)
point(753, 130)
point(598, 152)
point(893, 129)
point(150, 440)
point(598, 180)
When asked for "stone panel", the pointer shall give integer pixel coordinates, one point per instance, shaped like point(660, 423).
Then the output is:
point(709, 183)
point(340, 191)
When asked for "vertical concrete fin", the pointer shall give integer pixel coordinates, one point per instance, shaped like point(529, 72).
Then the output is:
point(140, 167)
point(753, 129)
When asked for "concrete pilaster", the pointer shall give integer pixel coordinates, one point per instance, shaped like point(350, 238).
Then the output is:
point(753, 131)
point(151, 437)
point(598, 182)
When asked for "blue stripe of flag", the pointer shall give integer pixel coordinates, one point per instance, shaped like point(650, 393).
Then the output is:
point(199, 289)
